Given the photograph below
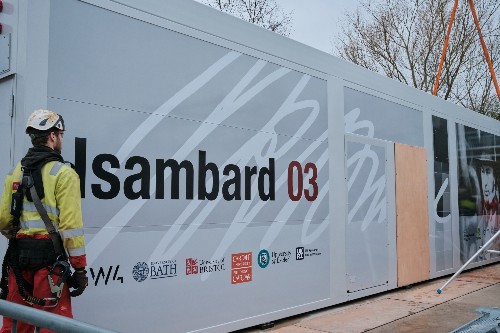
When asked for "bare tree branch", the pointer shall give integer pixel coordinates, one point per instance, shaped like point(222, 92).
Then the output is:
point(404, 39)
point(265, 13)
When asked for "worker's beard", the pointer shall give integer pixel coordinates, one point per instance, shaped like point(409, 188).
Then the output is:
point(58, 144)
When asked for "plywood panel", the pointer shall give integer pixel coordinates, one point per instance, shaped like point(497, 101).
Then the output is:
point(412, 223)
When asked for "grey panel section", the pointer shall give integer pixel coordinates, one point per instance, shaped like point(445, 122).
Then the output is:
point(441, 210)
point(170, 97)
point(5, 126)
point(223, 146)
point(5, 53)
point(366, 230)
point(210, 298)
point(378, 118)
point(443, 220)
point(170, 73)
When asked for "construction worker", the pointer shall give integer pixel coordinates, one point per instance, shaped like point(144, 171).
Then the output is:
point(38, 275)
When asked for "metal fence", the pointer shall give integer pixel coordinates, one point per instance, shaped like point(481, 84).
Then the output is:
point(42, 319)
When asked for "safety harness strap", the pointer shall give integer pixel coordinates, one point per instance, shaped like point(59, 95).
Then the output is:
point(4, 283)
point(22, 285)
point(54, 236)
point(16, 207)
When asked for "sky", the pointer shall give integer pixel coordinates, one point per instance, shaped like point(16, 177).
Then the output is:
point(316, 22)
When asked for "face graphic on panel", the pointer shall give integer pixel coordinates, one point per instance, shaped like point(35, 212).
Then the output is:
point(488, 181)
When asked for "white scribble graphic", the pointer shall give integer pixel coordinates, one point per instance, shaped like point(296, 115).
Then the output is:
point(323, 195)
point(251, 150)
point(437, 218)
point(262, 146)
point(109, 231)
point(373, 188)
point(353, 125)
point(288, 208)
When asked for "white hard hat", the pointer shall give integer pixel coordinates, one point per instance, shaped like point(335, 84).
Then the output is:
point(43, 120)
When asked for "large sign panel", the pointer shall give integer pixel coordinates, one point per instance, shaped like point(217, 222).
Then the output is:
point(204, 174)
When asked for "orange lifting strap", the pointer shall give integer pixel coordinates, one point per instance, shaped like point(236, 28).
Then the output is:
point(483, 45)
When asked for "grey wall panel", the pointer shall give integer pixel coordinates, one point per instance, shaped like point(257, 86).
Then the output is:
point(170, 97)
point(379, 118)
point(6, 112)
point(441, 233)
point(367, 223)
point(170, 73)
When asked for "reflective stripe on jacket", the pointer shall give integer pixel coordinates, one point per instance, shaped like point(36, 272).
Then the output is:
point(62, 201)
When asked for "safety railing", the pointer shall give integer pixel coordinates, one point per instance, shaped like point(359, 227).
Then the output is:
point(41, 319)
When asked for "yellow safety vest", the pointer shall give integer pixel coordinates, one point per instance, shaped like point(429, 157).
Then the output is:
point(62, 201)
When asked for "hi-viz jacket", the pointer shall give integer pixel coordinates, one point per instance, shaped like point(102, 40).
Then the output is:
point(62, 201)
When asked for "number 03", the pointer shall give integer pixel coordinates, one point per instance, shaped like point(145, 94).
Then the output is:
point(310, 193)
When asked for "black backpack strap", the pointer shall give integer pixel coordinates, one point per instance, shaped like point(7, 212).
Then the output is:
point(15, 210)
point(4, 282)
point(49, 225)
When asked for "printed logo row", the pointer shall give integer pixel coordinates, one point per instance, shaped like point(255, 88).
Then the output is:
point(241, 266)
